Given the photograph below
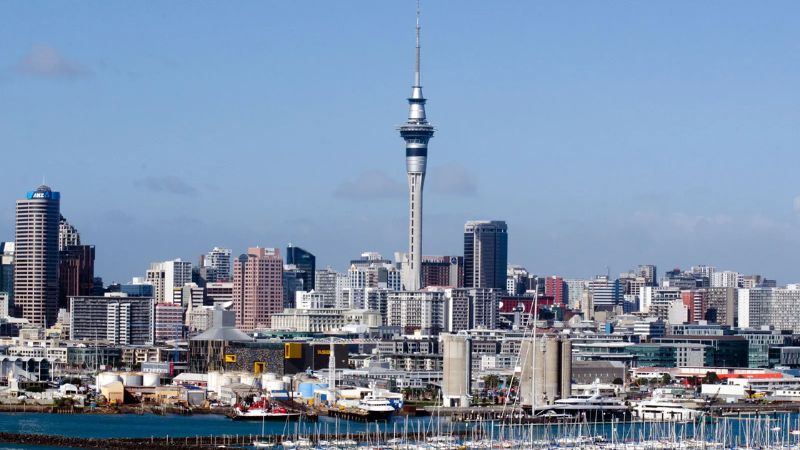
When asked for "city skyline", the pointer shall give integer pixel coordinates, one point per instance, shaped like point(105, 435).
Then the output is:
point(631, 156)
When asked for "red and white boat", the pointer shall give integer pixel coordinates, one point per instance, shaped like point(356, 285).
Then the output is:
point(262, 409)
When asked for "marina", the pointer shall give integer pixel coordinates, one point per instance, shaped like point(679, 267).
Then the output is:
point(770, 431)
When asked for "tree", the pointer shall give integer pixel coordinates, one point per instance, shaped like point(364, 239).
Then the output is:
point(491, 381)
point(666, 379)
point(711, 378)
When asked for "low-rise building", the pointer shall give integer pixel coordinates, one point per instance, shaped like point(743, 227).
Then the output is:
point(323, 320)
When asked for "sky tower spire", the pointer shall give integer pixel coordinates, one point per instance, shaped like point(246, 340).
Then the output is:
point(416, 132)
point(417, 81)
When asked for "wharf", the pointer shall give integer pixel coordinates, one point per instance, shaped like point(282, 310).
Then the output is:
point(353, 414)
point(749, 409)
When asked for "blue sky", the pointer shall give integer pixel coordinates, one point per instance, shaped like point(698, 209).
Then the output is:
point(606, 134)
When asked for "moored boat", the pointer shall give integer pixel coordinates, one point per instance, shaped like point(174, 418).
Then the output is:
point(263, 409)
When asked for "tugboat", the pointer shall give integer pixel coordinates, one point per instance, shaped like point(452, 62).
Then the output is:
point(262, 409)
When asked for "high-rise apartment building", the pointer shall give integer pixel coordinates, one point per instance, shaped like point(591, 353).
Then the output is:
point(169, 323)
point(482, 304)
point(456, 310)
point(554, 287)
point(605, 292)
point(217, 263)
point(36, 256)
point(67, 234)
point(696, 302)
point(417, 310)
point(257, 287)
point(485, 254)
point(519, 281)
point(117, 319)
point(325, 282)
point(166, 276)
point(7, 273)
point(725, 278)
point(577, 292)
point(657, 300)
point(190, 295)
point(775, 307)
point(305, 263)
point(722, 306)
point(704, 271)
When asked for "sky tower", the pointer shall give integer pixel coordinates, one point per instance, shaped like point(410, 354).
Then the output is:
point(416, 132)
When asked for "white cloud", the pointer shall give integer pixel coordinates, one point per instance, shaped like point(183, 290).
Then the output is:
point(452, 179)
point(46, 62)
point(370, 185)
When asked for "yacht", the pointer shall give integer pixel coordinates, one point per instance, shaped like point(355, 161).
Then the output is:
point(592, 405)
point(377, 408)
point(664, 410)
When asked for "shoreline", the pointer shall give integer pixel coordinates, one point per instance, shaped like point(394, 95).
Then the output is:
point(182, 443)
point(115, 410)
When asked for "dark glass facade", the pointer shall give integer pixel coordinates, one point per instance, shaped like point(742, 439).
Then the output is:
point(305, 262)
point(485, 254)
point(75, 273)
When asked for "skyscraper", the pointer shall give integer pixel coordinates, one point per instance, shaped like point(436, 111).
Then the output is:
point(75, 264)
point(75, 273)
point(36, 256)
point(485, 254)
point(219, 261)
point(325, 284)
point(67, 234)
point(167, 275)
point(305, 263)
point(7, 273)
point(257, 287)
point(416, 132)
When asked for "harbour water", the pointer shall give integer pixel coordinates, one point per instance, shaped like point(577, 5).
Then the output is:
point(738, 432)
point(147, 425)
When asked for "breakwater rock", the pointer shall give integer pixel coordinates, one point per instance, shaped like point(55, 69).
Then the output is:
point(156, 443)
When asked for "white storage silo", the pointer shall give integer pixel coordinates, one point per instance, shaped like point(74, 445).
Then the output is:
point(151, 380)
point(132, 379)
point(105, 378)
